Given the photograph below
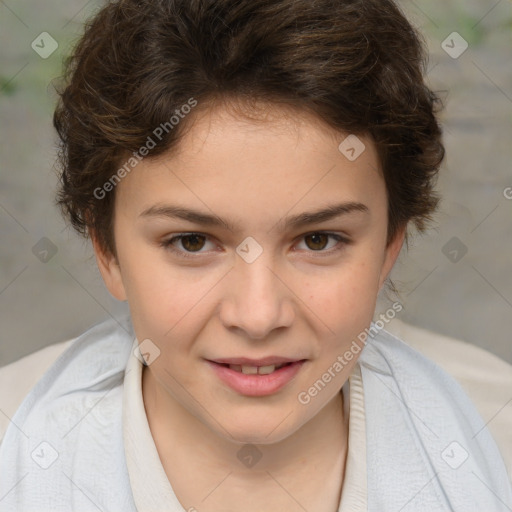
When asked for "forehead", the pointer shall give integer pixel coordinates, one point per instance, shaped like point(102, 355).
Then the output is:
point(229, 157)
point(227, 123)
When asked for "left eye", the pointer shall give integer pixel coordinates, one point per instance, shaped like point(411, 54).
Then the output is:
point(320, 240)
point(194, 242)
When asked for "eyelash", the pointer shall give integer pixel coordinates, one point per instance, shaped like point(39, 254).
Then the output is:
point(168, 244)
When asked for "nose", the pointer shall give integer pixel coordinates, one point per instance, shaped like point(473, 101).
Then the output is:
point(256, 299)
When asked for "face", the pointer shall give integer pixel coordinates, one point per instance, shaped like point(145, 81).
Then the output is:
point(253, 272)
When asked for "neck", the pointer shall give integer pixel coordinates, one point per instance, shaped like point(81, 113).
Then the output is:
point(312, 457)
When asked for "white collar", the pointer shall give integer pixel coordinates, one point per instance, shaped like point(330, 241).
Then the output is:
point(151, 489)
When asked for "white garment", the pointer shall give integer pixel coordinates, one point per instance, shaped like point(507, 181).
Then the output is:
point(151, 489)
point(414, 410)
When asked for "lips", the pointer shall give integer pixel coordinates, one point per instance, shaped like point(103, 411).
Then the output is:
point(256, 380)
point(264, 361)
point(255, 370)
point(262, 366)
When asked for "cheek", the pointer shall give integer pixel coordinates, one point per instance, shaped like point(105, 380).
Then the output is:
point(346, 300)
point(165, 301)
point(156, 299)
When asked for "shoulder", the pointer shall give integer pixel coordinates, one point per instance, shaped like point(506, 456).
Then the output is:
point(486, 379)
point(93, 361)
point(19, 377)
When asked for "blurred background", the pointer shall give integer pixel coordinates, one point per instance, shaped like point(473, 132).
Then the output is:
point(456, 279)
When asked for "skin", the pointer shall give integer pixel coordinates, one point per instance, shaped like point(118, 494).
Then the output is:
point(300, 298)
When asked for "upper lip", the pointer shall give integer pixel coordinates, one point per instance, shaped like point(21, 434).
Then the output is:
point(264, 361)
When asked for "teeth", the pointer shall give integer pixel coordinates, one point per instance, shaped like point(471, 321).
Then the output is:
point(265, 370)
point(249, 370)
point(253, 370)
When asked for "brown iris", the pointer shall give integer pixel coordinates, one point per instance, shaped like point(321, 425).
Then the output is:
point(319, 240)
point(190, 242)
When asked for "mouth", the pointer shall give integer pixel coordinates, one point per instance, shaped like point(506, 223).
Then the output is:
point(256, 379)
point(256, 370)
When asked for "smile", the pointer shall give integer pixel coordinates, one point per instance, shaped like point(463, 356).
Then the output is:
point(255, 370)
point(256, 380)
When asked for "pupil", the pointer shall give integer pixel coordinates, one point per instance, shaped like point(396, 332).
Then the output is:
point(317, 240)
point(187, 245)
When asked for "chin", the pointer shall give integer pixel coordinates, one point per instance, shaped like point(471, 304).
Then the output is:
point(258, 431)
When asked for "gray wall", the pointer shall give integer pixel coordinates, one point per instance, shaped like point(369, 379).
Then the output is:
point(467, 295)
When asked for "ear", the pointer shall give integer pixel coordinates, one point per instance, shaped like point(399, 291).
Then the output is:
point(109, 269)
point(391, 254)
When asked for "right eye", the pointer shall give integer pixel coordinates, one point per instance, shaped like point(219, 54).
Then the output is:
point(191, 242)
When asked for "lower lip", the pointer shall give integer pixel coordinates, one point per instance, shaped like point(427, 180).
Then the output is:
point(256, 385)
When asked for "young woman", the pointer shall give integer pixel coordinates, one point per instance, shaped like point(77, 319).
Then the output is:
point(247, 171)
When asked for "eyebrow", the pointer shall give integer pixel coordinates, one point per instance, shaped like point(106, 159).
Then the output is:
point(295, 221)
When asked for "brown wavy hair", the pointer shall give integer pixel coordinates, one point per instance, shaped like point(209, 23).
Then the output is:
point(358, 65)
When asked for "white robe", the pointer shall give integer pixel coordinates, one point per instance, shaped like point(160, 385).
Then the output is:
point(427, 448)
